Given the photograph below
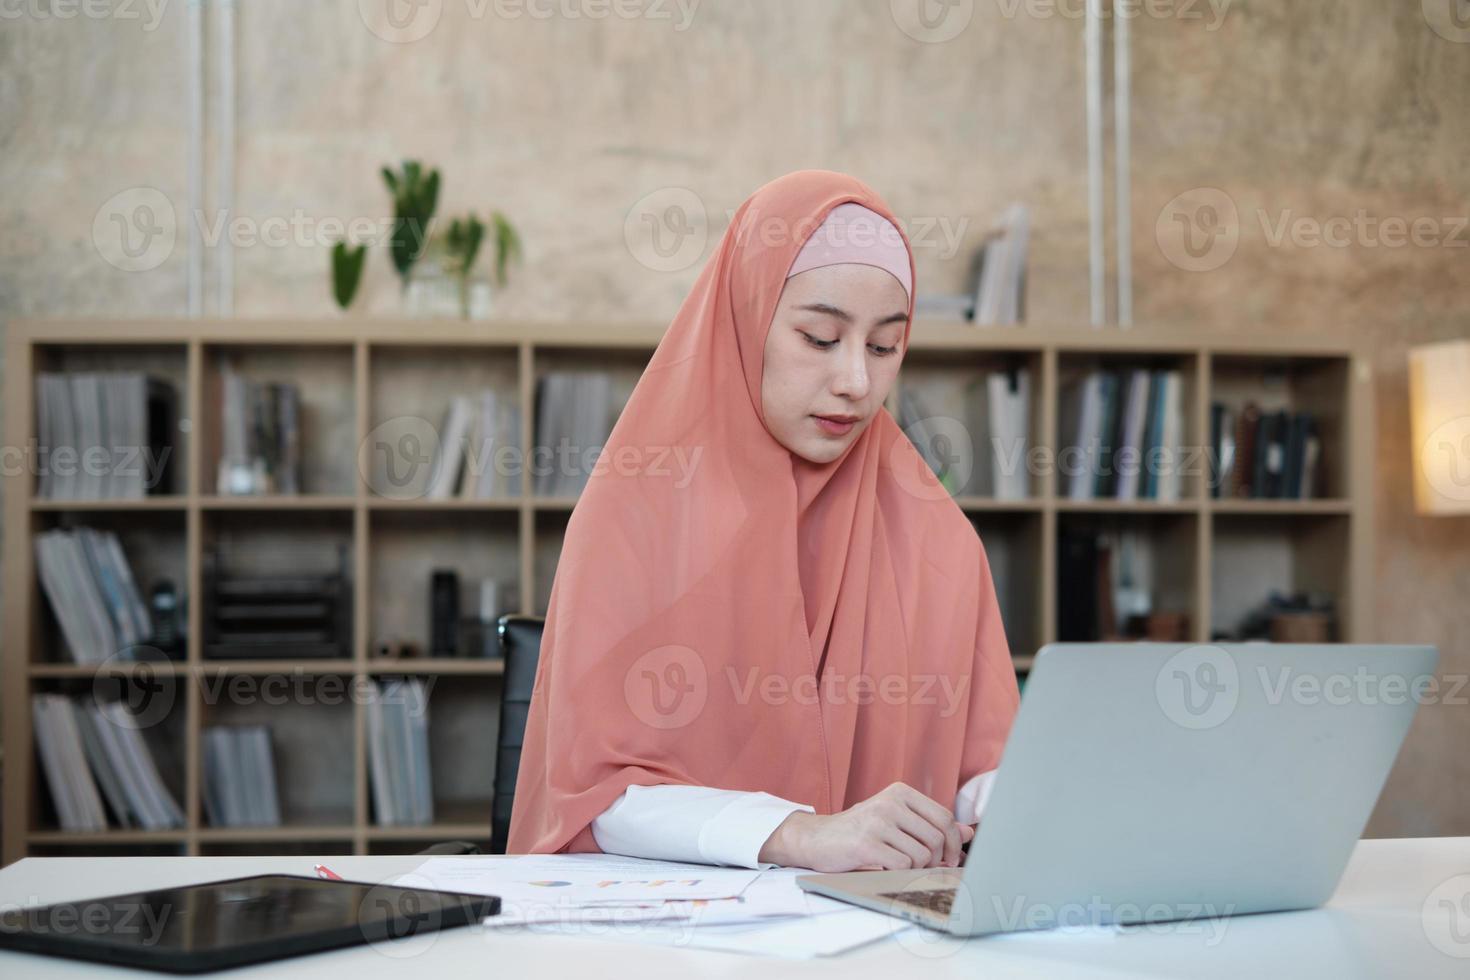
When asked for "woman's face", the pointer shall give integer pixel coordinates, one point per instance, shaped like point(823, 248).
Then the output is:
point(833, 351)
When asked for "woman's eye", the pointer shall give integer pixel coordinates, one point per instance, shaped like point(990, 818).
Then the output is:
point(828, 344)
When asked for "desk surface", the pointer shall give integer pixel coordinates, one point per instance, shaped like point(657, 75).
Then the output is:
point(1402, 910)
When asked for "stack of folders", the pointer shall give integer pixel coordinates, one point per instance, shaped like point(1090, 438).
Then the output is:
point(1264, 454)
point(398, 752)
point(468, 462)
point(992, 412)
point(574, 416)
point(81, 739)
point(1000, 281)
point(1122, 434)
point(240, 777)
point(92, 591)
point(105, 435)
point(260, 436)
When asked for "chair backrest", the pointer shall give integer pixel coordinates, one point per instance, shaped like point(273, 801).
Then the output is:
point(520, 644)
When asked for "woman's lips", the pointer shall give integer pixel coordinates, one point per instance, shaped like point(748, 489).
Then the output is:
point(834, 428)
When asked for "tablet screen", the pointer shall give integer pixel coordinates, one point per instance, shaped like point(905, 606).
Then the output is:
point(243, 920)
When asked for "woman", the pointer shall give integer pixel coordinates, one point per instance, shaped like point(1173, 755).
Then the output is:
point(788, 652)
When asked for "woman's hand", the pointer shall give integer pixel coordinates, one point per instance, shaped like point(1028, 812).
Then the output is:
point(896, 828)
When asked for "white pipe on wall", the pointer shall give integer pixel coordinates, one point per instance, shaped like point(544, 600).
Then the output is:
point(1121, 164)
point(1092, 40)
point(194, 38)
point(225, 253)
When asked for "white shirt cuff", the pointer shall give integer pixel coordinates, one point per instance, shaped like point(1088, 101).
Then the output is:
point(737, 833)
point(969, 802)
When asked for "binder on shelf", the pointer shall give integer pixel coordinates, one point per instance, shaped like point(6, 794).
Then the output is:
point(104, 435)
point(92, 593)
point(240, 777)
point(574, 409)
point(398, 752)
point(82, 742)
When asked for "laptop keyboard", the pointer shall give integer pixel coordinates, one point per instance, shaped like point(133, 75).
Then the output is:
point(938, 900)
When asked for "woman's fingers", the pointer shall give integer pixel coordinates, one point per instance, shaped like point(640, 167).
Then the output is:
point(915, 851)
point(930, 837)
point(938, 817)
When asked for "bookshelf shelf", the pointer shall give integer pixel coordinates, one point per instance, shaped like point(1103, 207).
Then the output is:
point(1286, 508)
point(214, 502)
point(1217, 554)
point(168, 502)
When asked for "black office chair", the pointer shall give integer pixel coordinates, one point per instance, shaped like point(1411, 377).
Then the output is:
point(520, 644)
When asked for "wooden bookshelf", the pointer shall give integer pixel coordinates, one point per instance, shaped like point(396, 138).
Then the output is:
point(359, 374)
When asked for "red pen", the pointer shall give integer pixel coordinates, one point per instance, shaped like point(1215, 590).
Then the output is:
point(322, 871)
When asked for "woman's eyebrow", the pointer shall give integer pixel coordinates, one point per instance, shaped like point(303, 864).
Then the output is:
point(828, 309)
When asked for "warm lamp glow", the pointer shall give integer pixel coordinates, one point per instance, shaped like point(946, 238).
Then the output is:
point(1439, 415)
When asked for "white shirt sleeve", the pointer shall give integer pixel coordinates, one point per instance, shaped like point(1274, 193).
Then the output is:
point(969, 802)
point(673, 822)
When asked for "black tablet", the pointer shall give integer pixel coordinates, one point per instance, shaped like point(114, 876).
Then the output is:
point(220, 924)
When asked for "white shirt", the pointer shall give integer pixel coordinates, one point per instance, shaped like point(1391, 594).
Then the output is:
point(720, 826)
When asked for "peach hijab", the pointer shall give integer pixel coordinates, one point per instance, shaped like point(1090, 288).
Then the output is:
point(756, 621)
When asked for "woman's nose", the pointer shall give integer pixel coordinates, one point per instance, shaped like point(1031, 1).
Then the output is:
point(852, 375)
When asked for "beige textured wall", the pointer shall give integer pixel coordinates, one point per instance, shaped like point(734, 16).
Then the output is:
point(1317, 108)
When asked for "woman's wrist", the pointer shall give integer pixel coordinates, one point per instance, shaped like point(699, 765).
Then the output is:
point(784, 846)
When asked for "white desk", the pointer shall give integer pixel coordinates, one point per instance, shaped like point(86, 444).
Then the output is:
point(1386, 920)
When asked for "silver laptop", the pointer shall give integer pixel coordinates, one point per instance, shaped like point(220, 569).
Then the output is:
point(1155, 782)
